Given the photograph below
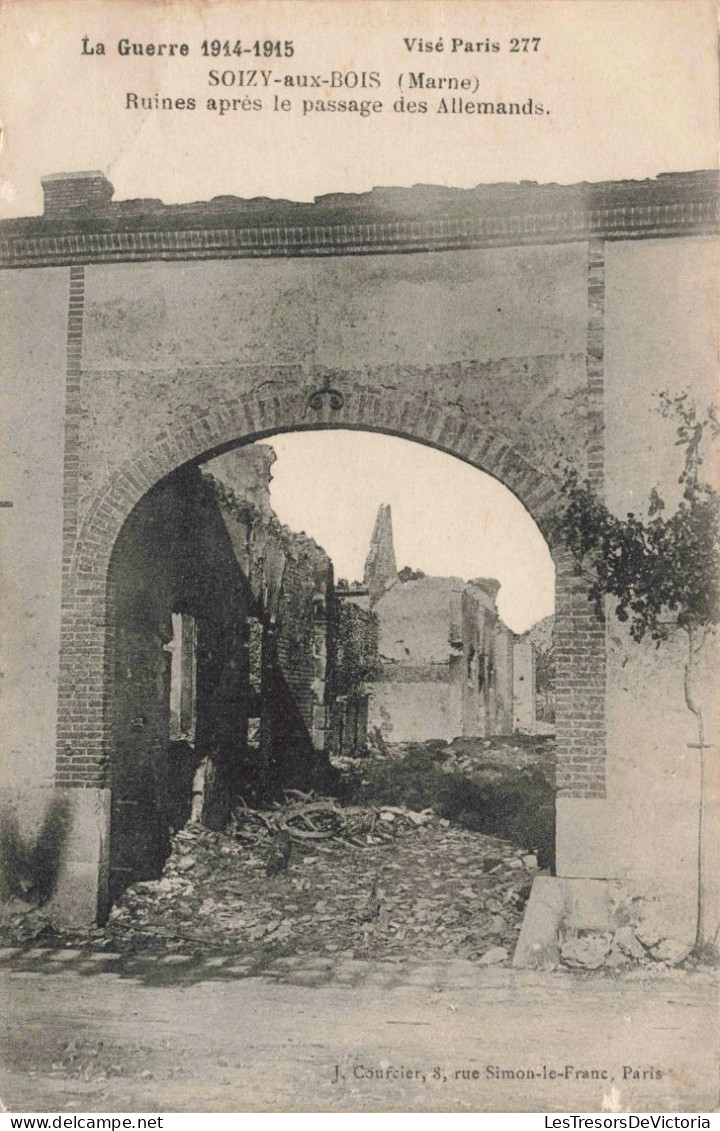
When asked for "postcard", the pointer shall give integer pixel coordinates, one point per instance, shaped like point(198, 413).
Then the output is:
point(359, 558)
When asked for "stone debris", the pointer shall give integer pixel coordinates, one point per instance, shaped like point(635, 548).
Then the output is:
point(23, 921)
point(590, 950)
point(370, 888)
point(585, 951)
point(492, 957)
point(627, 942)
point(90, 1061)
point(649, 932)
point(671, 951)
point(492, 758)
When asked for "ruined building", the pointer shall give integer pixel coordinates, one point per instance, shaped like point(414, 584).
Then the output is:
point(448, 665)
point(534, 680)
point(144, 338)
point(445, 657)
point(355, 664)
point(222, 657)
point(380, 565)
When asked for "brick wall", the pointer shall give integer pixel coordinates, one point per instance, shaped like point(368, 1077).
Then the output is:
point(503, 434)
point(72, 194)
point(81, 222)
point(290, 578)
point(173, 556)
point(579, 687)
point(187, 331)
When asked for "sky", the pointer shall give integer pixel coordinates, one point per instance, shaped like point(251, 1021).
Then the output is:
point(449, 519)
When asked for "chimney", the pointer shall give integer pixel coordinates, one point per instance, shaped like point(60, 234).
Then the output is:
point(77, 194)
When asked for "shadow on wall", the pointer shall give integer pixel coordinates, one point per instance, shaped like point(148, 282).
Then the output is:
point(30, 871)
point(293, 762)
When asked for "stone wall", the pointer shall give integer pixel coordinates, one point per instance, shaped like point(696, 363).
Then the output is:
point(283, 404)
point(661, 333)
point(32, 356)
point(291, 581)
point(355, 663)
point(193, 548)
point(445, 661)
point(500, 333)
point(173, 557)
point(143, 339)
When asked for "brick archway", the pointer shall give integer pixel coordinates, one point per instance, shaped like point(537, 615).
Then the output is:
point(86, 676)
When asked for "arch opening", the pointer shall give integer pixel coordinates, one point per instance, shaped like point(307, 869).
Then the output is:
point(97, 602)
point(243, 664)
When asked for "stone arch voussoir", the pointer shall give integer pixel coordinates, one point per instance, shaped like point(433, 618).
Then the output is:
point(246, 418)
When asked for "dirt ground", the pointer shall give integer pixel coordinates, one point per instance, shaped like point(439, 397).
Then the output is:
point(373, 979)
point(352, 1036)
point(371, 974)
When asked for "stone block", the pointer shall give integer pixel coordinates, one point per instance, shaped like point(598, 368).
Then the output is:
point(588, 905)
point(671, 951)
point(81, 894)
point(585, 952)
point(493, 956)
point(68, 830)
point(538, 942)
point(627, 941)
point(34, 824)
point(557, 904)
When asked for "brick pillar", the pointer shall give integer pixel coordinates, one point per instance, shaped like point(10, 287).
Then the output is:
point(579, 635)
point(580, 687)
point(81, 894)
point(76, 194)
point(582, 847)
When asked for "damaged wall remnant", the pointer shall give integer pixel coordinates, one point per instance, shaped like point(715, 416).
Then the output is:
point(356, 664)
point(445, 656)
point(220, 659)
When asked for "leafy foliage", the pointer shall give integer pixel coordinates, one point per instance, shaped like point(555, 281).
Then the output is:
point(356, 647)
point(664, 570)
point(519, 805)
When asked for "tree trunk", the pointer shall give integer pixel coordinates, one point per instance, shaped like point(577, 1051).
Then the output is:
point(705, 931)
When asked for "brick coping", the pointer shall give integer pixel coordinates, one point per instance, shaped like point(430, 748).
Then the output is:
point(83, 224)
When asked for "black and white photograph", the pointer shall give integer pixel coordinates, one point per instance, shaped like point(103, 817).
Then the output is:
point(359, 558)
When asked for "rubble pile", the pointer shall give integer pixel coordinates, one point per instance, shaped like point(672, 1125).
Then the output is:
point(493, 757)
point(629, 945)
point(499, 786)
point(479, 758)
point(353, 882)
